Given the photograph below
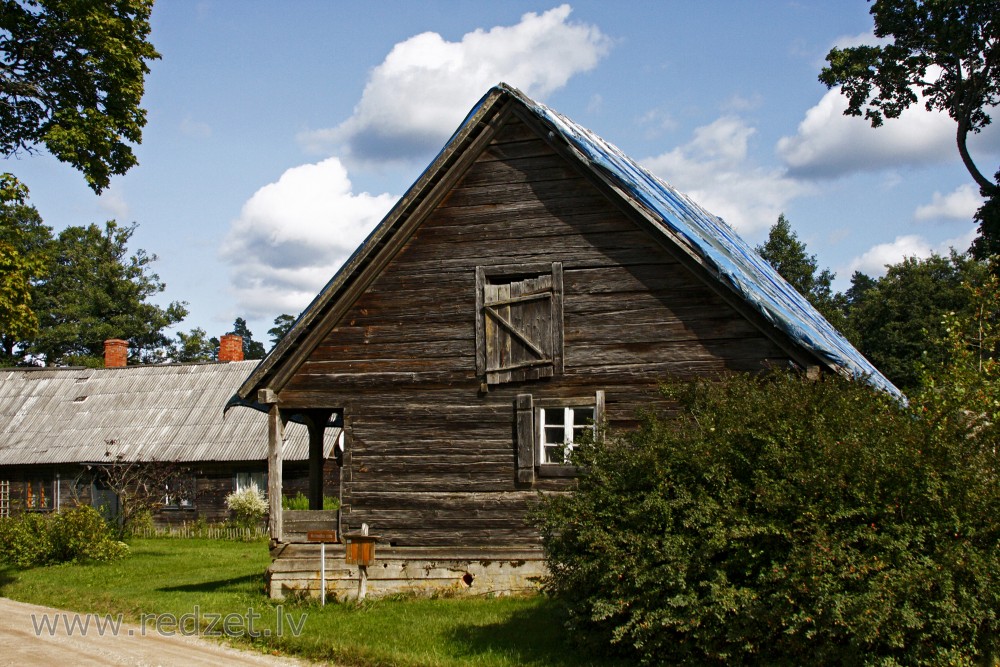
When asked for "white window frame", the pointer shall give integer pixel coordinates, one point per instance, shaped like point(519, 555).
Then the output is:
point(570, 428)
point(242, 480)
point(530, 433)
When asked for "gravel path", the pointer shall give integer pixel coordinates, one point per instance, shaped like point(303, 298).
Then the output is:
point(26, 641)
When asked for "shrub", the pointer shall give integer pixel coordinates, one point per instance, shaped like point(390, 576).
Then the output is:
point(780, 518)
point(247, 505)
point(75, 534)
point(301, 502)
point(25, 540)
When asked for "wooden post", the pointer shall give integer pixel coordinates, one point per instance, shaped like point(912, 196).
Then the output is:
point(363, 571)
point(317, 429)
point(275, 445)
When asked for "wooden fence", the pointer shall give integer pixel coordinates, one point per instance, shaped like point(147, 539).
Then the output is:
point(214, 531)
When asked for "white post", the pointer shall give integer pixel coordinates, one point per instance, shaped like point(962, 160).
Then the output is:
point(322, 573)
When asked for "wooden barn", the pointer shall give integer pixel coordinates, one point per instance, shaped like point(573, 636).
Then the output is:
point(534, 281)
point(59, 424)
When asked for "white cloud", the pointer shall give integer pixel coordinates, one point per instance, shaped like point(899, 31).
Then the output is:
point(960, 204)
point(829, 144)
point(293, 235)
point(113, 201)
point(713, 170)
point(195, 129)
point(422, 89)
point(861, 39)
point(874, 261)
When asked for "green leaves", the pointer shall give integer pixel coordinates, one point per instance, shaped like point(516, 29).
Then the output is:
point(777, 518)
point(73, 80)
point(948, 51)
point(96, 290)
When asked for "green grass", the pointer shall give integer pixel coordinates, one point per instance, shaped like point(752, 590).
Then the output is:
point(164, 576)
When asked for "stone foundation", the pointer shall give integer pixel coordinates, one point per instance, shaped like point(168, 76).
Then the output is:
point(295, 571)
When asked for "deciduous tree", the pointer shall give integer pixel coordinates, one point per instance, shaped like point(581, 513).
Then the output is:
point(25, 253)
point(947, 50)
point(899, 317)
point(72, 78)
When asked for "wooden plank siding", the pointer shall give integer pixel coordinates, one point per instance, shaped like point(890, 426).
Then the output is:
point(431, 458)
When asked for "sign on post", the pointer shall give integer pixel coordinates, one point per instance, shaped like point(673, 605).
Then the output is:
point(324, 537)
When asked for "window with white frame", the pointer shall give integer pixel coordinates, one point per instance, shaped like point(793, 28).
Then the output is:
point(546, 432)
point(246, 479)
point(560, 429)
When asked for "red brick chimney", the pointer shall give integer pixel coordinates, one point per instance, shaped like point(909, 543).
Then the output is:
point(115, 353)
point(231, 348)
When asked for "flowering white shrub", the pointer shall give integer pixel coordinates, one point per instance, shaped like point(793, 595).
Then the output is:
point(248, 505)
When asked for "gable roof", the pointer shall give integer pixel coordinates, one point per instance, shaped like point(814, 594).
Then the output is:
point(706, 241)
point(163, 413)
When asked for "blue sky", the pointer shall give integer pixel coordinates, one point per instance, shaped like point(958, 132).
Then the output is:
point(279, 133)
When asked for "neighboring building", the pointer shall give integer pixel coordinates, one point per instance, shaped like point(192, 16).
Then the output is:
point(60, 426)
point(532, 282)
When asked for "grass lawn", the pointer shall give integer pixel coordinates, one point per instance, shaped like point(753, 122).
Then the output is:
point(188, 576)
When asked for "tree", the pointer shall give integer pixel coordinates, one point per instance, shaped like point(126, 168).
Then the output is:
point(282, 325)
point(139, 486)
point(788, 256)
point(96, 291)
point(987, 243)
point(25, 245)
point(946, 49)
point(899, 317)
point(252, 349)
point(72, 78)
point(194, 346)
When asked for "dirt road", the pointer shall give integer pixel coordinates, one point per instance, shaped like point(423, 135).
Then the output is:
point(27, 640)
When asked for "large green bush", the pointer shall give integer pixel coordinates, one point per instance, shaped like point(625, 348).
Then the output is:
point(777, 521)
point(74, 534)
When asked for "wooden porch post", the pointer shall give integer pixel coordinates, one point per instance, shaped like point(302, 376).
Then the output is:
point(275, 445)
point(317, 421)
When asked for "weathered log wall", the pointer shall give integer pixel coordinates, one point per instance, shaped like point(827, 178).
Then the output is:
point(431, 455)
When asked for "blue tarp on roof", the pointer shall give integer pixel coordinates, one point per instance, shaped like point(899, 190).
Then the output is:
point(736, 263)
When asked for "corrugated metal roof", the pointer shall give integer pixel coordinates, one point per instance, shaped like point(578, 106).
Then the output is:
point(163, 413)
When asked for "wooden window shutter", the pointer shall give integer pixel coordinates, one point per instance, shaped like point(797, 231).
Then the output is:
point(519, 322)
point(525, 429)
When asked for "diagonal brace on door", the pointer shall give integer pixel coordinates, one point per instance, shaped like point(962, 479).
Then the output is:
point(506, 324)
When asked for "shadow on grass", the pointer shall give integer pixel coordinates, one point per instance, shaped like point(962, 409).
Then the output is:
point(6, 578)
point(233, 584)
point(530, 637)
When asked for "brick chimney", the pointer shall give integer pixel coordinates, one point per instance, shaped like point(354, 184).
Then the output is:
point(115, 353)
point(231, 348)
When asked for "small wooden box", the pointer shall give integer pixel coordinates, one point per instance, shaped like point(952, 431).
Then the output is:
point(360, 549)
